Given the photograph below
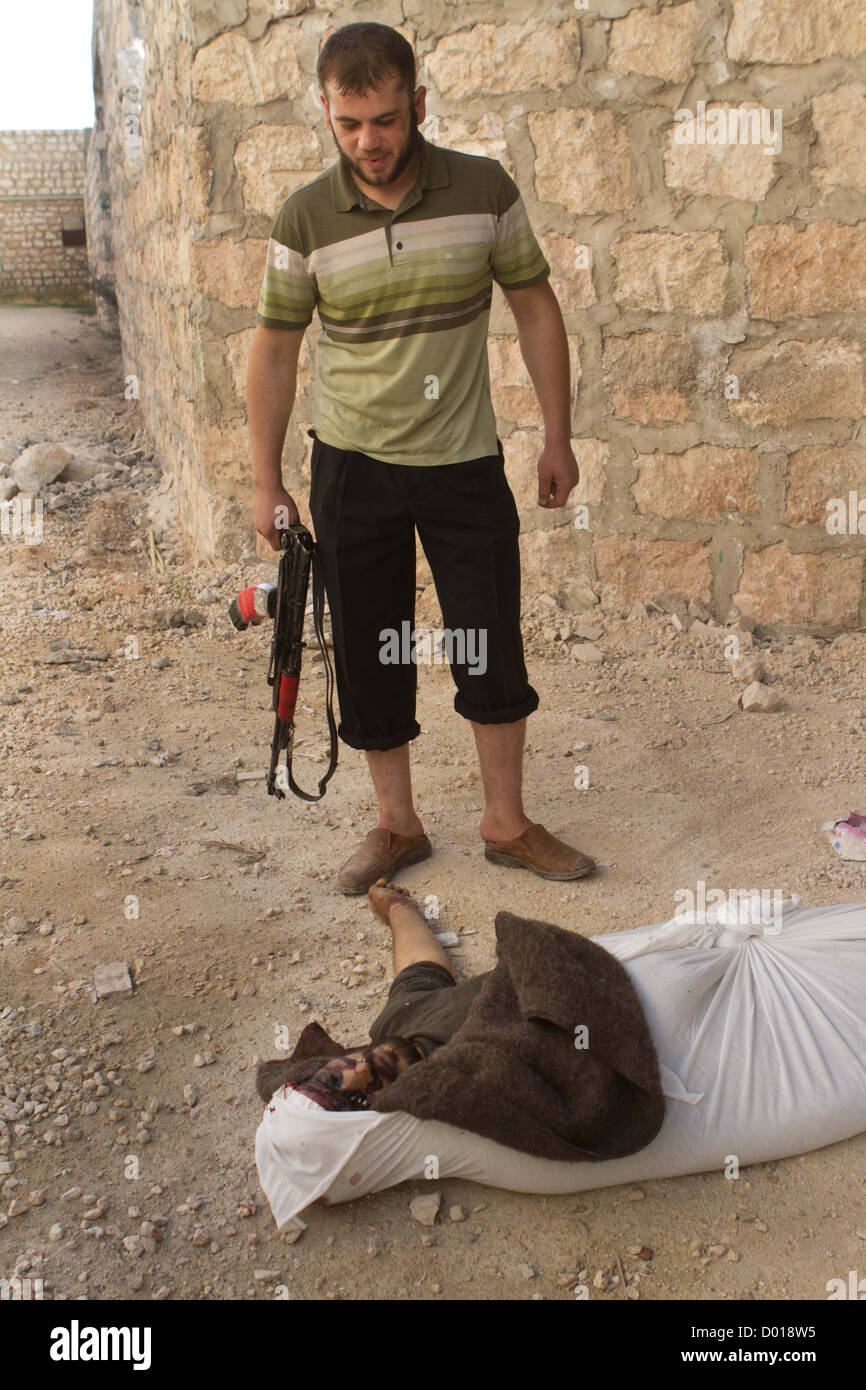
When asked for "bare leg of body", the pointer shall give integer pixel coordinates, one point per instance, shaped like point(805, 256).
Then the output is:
point(413, 939)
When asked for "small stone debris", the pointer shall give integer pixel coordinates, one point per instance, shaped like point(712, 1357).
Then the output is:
point(425, 1209)
point(526, 1271)
point(456, 1214)
point(447, 938)
point(190, 1096)
point(641, 1252)
point(747, 669)
point(759, 699)
point(39, 465)
point(588, 653)
point(204, 1059)
point(112, 978)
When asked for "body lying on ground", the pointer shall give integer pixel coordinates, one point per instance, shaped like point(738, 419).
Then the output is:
point(675, 1048)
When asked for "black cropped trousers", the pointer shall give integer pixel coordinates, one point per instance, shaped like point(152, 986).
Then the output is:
point(365, 514)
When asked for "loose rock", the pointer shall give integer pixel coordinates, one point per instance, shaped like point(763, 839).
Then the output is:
point(425, 1209)
point(759, 699)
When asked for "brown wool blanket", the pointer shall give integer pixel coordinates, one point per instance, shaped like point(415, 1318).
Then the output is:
point(512, 1072)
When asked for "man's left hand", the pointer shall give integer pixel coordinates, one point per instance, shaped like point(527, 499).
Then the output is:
point(557, 475)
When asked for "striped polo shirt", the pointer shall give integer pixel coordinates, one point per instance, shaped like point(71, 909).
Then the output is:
point(404, 301)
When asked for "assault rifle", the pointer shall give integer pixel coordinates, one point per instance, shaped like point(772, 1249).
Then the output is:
point(286, 603)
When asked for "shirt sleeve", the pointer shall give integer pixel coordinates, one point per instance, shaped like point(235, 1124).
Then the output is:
point(518, 260)
point(288, 293)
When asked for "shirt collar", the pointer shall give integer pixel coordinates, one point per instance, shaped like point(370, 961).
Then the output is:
point(433, 173)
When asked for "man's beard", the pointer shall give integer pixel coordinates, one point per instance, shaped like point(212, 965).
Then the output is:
point(401, 163)
point(402, 1050)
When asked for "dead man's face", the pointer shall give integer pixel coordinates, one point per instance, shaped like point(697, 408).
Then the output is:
point(367, 1070)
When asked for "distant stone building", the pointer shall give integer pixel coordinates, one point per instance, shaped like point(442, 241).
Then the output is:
point(43, 242)
point(696, 174)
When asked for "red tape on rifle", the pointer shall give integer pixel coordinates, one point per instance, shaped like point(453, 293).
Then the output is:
point(247, 604)
point(287, 698)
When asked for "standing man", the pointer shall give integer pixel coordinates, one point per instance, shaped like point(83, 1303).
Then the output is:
point(397, 245)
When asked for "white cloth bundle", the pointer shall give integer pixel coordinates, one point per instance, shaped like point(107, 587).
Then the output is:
point(760, 1028)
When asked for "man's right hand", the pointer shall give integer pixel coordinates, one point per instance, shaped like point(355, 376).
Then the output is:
point(273, 510)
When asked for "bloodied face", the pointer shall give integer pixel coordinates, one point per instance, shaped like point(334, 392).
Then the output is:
point(347, 1082)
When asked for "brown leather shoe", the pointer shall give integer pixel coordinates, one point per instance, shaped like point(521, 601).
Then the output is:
point(538, 850)
point(382, 852)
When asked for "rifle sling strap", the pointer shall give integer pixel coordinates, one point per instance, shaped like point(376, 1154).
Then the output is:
point(319, 625)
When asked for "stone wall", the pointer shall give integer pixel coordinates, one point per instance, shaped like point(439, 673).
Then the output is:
point(41, 192)
point(696, 174)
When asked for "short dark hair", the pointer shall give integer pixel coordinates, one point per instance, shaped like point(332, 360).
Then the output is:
point(359, 56)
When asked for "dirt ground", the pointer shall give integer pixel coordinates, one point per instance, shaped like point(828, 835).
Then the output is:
point(127, 1166)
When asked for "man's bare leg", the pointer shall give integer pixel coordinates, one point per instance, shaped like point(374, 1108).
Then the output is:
point(500, 754)
point(413, 939)
point(392, 779)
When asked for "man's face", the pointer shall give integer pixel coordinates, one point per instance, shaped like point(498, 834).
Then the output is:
point(368, 1069)
point(376, 132)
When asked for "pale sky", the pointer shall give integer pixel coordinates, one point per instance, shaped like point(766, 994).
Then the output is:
point(46, 80)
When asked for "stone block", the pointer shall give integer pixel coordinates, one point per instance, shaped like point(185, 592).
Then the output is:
point(657, 45)
point(630, 568)
point(784, 383)
point(700, 484)
point(670, 272)
point(491, 59)
point(582, 159)
point(811, 270)
point(778, 586)
point(651, 377)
